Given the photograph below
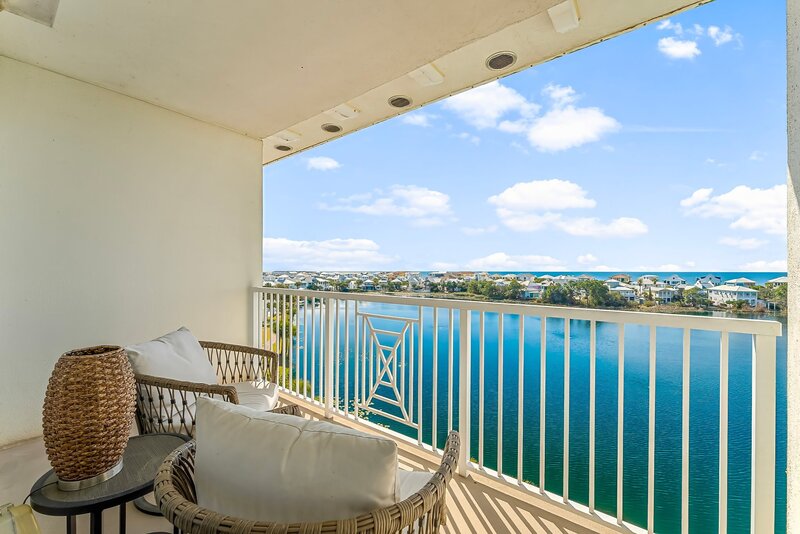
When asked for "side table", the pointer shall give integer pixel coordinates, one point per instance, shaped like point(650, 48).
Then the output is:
point(142, 458)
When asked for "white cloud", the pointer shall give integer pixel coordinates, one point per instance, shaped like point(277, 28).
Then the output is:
point(749, 208)
point(535, 205)
point(473, 231)
point(444, 266)
point(418, 119)
point(474, 139)
point(322, 163)
point(757, 155)
point(667, 24)
point(562, 127)
point(744, 243)
point(722, 36)
point(545, 195)
point(483, 106)
point(425, 206)
point(327, 255)
point(605, 268)
point(699, 196)
point(593, 227)
point(678, 48)
point(568, 127)
point(587, 258)
point(500, 261)
point(777, 265)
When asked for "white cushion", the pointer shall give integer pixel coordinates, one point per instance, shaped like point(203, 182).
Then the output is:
point(177, 356)
point(275, 467)
point(258, 395)
point(410, 482)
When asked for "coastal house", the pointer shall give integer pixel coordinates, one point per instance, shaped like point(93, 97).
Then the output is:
point(664, 295)
point(742, 282)
point(674, 280)
point(612, 283)
point(779, 281)
point(134, 136)
point(709, 280)
point(624, 292)
point(624, 278)
point(726, 293)
point(532, 291)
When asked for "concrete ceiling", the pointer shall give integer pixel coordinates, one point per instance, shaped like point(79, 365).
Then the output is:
point(260, 67)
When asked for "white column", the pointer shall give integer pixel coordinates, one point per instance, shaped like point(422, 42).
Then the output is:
point(793, 334)
point(762, 486)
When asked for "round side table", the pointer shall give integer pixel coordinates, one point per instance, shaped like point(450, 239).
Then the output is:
point(143, 456)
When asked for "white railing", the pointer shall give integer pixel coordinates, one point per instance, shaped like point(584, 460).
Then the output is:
point(407, 363)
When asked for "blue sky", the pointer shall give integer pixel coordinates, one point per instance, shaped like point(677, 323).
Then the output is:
point(663, 149)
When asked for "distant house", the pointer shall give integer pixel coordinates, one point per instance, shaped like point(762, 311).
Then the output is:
point(586, 277)
point(726, 293)
point(624, 292)
point(368, 285)
point(674, 281)
point(532, 291)
point(612, 283)
point(651, 278)
point(563, 279)
point(709, 280)
point(624, 278)
point(664, 294)
point(743, 282)
point(780, 281)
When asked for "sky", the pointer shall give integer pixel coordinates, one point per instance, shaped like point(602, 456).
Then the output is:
point(663, 149)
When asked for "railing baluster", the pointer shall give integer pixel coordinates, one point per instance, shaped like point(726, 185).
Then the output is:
point(651, 435)
point(313, 350)
point(566, 410)
point(520, 396)
point(329, 357)
point(464, 361)
point(500, 394)
point(419, 375)
point(762, 485)
point(542, 399)
point(337, 353)
point(356, 360)
point(305, 348)
point(592, 394)
point(481, 340)
point(346, 358)
point(450, 328)
point(723, 433)
point(324, 333)
point(620, 416)
point(435, 415)
point(685, 432)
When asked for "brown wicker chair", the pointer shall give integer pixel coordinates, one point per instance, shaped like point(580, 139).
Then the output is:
point(422, 512)
point(165, 405)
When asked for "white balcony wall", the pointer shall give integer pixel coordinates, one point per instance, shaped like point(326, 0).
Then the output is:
point(119, 221)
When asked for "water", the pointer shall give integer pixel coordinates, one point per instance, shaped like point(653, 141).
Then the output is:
point(704, 411)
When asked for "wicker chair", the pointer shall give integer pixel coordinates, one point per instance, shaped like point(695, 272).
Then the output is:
point(422, 512)
point(164, 405)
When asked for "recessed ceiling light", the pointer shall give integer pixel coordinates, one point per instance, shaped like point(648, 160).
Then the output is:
point(501, 60)
point(283, 148)
point(331, 128)
point(427, 75)
point(400, 101)
point(342, 112)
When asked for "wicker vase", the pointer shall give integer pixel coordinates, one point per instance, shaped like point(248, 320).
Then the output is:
point(87, 416)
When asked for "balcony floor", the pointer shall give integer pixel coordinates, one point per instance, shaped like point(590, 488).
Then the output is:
point(476, 504)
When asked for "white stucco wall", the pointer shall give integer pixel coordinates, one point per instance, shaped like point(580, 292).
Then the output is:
point(119, 221)
point(793, 333)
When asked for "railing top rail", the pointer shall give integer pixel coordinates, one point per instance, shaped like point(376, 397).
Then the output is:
point(670, 320)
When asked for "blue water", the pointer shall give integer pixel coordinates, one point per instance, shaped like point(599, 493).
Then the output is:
point(704, 410)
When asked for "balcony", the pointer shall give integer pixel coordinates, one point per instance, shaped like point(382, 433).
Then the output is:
point(416, 367)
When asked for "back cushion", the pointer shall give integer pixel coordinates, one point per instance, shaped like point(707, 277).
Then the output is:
point(274, 467)
point(177, 356)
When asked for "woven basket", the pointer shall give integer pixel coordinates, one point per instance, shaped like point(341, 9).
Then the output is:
point(88, 412)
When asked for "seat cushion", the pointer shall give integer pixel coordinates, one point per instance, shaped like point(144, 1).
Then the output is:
point(258, 395)
point(410, 482)
point(273, 467)
point(177, 356)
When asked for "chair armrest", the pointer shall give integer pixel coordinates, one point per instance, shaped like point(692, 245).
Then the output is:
point(289, 409)
point(226, 392)
point(240, 363)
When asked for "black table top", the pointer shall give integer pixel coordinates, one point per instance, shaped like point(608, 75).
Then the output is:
point(143, 456)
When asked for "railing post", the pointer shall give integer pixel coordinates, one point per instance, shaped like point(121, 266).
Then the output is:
point(464, 361)
point(762, 495)
point(256, 319)
point(329, 317)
